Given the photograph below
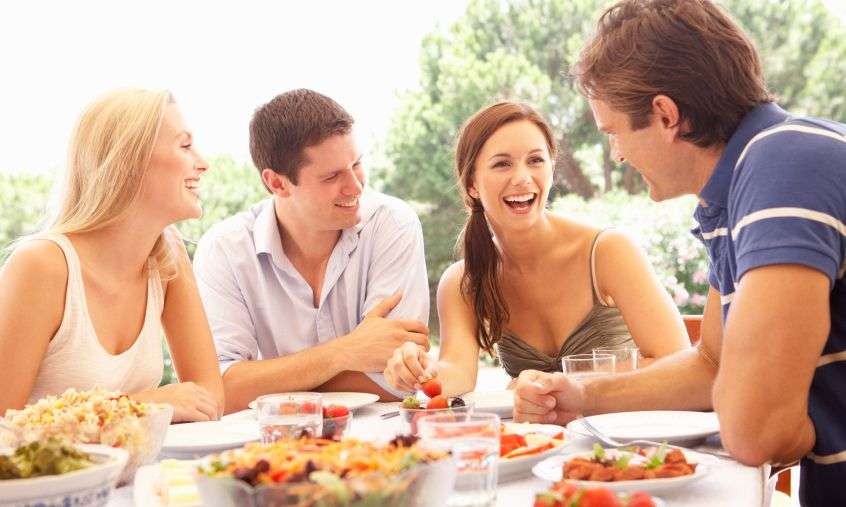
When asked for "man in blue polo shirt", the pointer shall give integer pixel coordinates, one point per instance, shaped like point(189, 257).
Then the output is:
point(678, 88)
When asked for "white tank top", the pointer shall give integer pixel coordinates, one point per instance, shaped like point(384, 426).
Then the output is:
point(76, 358)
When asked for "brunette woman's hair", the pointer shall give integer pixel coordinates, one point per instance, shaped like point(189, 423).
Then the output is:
point(480, 283)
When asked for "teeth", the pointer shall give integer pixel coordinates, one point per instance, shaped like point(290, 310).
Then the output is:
point(520, 198)
point(347, 204)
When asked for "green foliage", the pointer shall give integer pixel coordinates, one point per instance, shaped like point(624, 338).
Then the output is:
point(24, 198)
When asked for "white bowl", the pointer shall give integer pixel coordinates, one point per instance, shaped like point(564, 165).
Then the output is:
point(88, 487)
point(156, 423)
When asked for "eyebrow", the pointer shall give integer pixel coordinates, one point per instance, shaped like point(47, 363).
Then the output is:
point(509, 155)
point(185, 133)
point(336, 171)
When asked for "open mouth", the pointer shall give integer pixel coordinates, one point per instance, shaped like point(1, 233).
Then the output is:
point(193, 186)
point(521, 202)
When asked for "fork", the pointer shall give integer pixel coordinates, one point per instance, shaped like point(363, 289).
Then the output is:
point(605, 439)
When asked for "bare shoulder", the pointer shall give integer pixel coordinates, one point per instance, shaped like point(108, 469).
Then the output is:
point(575, 236)
point(35, 276)
point(451, 277)
point(38, 259)
point(614, 245)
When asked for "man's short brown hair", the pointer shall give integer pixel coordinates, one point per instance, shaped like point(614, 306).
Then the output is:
point(281, 129)
point(688, 50)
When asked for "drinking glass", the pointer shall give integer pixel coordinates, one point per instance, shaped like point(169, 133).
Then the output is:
point(584, 366)
point(625, 356)
point(289, 415)
point(473, 440)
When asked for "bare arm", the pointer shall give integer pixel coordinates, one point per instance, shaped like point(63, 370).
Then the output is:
point(777, 327)
point(362, 350)
point(188, 334)
point(680, 381)
point(32, 298)
point(624, 274)
point(458, 364)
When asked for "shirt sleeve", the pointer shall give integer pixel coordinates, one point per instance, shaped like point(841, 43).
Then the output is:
point(399, 265)
point(788, 203)
point(230, 321)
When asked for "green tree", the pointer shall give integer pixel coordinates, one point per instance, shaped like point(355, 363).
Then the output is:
point(24, 198)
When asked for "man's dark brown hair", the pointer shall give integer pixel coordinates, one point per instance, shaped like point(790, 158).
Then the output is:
point(283, 128)
point(688, 50)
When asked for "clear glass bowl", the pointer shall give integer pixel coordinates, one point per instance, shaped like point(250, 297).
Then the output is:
point(410, 416)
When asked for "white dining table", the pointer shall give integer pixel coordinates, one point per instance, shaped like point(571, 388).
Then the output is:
point(728, 483)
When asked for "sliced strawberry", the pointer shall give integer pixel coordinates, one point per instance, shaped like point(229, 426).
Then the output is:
point(438, 402)
point(333, 411)
point(599, 497)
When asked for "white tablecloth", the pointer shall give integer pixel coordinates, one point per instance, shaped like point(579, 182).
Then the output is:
point(728, 484)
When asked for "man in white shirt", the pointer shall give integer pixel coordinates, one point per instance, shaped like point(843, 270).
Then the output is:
point(315, 287)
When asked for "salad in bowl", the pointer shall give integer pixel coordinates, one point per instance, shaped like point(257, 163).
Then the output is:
point(318, 472)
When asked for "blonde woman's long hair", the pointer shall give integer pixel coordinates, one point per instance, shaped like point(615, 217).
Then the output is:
point(110, 150)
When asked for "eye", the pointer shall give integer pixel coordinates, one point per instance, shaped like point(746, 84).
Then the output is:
point(331, 178)
point(186, 146)
point(502, 163)
point(537, 160)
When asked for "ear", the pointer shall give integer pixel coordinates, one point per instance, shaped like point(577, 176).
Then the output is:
point(665, 110)
point(277, 184)
point(472, 192)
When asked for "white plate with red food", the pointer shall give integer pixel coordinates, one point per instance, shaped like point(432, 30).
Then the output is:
point(652, 469)
point(353, 401)
point(522, 445)
point(672, 426)
point(566, 494)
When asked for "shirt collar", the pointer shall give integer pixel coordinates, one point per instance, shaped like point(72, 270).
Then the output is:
point(761, 117)
point(268, 241)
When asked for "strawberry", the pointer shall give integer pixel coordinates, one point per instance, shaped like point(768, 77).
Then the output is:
point(308, 407)
point(599, 497)
point(432, 388)
point(640, 499)
point(333, 411)
point(547, 499)
point(438, 402)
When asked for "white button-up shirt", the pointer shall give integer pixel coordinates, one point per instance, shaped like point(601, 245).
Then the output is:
point(260, 307)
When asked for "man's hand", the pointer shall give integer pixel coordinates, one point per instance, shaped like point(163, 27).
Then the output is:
point(547, 398)
point(408, 367)
point(369, 346)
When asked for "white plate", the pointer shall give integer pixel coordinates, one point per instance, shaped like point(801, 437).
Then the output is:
point(675, 427)
point(192, 440)
point(514, 468)
point(350, 400)
point(552, 469)
point(498, 402)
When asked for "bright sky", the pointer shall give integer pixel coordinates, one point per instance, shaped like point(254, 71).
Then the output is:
point(220, 59)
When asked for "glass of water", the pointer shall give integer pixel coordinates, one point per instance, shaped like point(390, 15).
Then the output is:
point(473, 440)
point(289, 415)
point(625, 356)
point(584, 366)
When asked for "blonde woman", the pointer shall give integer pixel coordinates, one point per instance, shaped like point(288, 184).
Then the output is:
point(83, 303)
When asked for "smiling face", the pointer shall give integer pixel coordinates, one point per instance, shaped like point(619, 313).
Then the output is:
point(654, 151)
point(512, 175)
point(328, 185)
point(170, 190)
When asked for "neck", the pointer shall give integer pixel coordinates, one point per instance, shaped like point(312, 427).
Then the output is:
point(119, 250)
point(522, 247)
point(703, 163)
point(301, 242)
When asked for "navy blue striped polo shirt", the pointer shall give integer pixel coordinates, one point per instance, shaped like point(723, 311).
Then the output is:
point(778, 196)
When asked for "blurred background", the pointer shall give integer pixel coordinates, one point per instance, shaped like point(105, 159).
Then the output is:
point(409, 72)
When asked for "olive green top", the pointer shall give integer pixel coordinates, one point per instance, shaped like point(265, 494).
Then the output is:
point(603, 326)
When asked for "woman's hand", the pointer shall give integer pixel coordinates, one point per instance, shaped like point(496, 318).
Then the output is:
point(191, 402)
point(409, 367)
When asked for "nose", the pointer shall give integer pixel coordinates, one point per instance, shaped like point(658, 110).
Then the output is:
point(522, 174)
point(616, 156)
point(353, 183)
point(201, 165)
